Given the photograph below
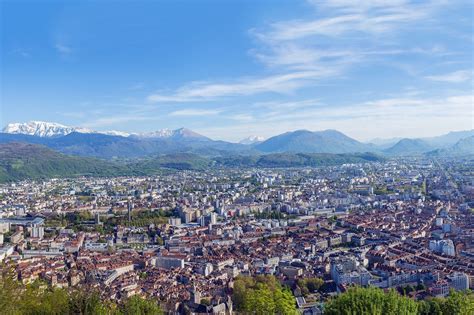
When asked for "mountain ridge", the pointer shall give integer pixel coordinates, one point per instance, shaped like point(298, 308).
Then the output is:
point(305, 141)
point(115, 144)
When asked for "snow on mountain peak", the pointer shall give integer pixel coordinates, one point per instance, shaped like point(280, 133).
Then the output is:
point(38, 128)
point(162, 133)
point(168, 133)
point(51, 129)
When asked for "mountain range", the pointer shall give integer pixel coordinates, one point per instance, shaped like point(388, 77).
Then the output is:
point(52, 129)
point(121, 145)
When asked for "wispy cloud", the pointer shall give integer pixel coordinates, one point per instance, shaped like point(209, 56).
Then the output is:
point(289, 105)
point(63, 49)
point(452, 77)
point(117, 119)
point(21, 52)
point(242, 117)
point(281, 83)
point(195, 112)
point(386, 117)
point(137, 86)
point(301, 52)
point(344, 17)
point(342, 34)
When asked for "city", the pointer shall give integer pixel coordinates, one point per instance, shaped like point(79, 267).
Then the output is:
point(263, 157)
point(183, 238)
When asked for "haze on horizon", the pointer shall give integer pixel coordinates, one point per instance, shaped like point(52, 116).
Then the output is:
point(228, 70)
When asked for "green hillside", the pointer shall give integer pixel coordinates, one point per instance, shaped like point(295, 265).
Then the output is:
point(20, 161)
point(28, 161)
point(296, 160)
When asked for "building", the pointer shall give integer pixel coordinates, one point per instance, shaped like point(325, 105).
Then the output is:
point(174, 221)
point(37, 232)
point(458, 281)
point(347, 270)
point(445, 247)
point(440, 288)
point(168, 262)
point(16, 237)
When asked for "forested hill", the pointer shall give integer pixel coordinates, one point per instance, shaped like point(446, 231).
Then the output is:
point(20, 161)
point(28, 161)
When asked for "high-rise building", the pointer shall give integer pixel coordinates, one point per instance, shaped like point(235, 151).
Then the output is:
point(213, 218)
point(129, 209)
point(37, 231)
point(459, 281)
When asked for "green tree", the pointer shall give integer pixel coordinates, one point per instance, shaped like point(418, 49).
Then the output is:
point(284, 302)
point(87, 303)
point(262, 295)
point(10, 291)
point(139, 306)
point(309, 285)
point(371, 301)
point(458, 303)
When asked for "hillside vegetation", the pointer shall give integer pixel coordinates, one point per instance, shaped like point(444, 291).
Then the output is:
point(20, 161)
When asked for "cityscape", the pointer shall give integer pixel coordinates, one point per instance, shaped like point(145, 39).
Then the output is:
point(287, 157)
point(183, 237)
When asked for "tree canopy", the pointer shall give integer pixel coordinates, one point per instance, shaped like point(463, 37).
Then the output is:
point(263, 295)
point(375, 301)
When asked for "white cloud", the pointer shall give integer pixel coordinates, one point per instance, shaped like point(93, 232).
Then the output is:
point(452, 77)
point(358, 5)
point(242, 117)
point(195, 112)
point(341, 17)
point(21, 52)
point(117, 119)
point(293, 49)
point(281, 83)
point(385, 118)
point(289, 105)
point(63, 49)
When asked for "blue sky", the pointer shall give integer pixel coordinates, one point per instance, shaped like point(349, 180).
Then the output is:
point(230, 69)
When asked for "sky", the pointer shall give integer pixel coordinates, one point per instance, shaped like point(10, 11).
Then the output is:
point(231, 69)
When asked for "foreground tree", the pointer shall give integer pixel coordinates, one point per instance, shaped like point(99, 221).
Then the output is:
point(262, 295)
point(371, 301)
point(457, 303)
point(139, 306)
point(375, 301)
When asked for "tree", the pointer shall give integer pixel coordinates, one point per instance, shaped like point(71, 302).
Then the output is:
point(10, 290)
point(139, 306)
point(420, 287)
point(87, 302)
point(262, 295)
point(458, 303)
point(371, 301)
point(284, 302)
point(309, 285)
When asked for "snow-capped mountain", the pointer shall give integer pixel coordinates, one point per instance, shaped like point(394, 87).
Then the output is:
point(42, 129)
point(115, 133)
point(252, 140)
point(50, 129)
point(162, 133)
point(180, 133)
